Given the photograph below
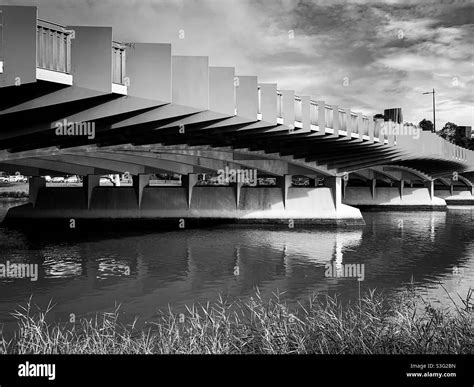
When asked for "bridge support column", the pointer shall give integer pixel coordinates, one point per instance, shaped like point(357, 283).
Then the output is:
point(89, 183)
point(430, 186)
point(335, 184)
point(284, 182)
point(139, 183)
point(35, 183)
point(401, 186)
point(451, 189)
point(237, 188)
point(189, 181)
point(373, 187)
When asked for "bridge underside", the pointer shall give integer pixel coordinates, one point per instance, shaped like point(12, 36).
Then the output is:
point(178, 115)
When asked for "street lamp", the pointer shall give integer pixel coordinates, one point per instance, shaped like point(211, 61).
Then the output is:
point(434, 109)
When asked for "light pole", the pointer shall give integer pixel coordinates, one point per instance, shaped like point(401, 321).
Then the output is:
point(434, 109)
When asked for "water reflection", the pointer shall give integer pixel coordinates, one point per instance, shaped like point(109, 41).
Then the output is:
point(147, 272)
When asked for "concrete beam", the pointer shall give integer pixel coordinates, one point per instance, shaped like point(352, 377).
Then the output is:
point(306, 112)
point(149, 70)
point(18, 45)
point(190, 81)
point(91, 57)
point(335, 119)
point(221, 90)
point(288, 108)
point(322, 116)
point(246, 93)
point(268, 102)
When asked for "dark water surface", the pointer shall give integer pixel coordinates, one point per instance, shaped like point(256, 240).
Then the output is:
point(149, 271)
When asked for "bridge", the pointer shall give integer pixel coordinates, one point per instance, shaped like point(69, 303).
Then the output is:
point(75, 101)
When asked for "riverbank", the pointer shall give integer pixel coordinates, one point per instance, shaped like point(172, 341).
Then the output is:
point(13, 190)
point(373, 325)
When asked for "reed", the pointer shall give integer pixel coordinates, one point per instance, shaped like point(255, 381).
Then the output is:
point(372, 325)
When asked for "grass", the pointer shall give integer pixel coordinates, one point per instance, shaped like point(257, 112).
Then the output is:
point(372, 325)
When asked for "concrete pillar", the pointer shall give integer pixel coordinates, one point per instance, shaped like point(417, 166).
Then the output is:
point(268, 104)
point(322, 116)
point(139, 183)
point(451, 189)
point(372, 187)
point(335, 119)
point(35, 183)
point(306, 112)
point(430, 186)
point(89, 183)
point(189, 181)
point(401, 185)
point(371, 129)
point(345, 181)
point(348, 123)
point(237, 188)
point(284, 182)
point(288, 110)
point(335, 184)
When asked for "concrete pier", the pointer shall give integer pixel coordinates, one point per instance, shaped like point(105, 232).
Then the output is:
point(393, 198)
point(270, 204)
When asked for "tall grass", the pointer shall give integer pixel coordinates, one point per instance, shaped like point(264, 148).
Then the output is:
point(322, 326)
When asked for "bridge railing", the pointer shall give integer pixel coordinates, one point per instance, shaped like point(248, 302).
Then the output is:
point(362, 126)
point(53, 47)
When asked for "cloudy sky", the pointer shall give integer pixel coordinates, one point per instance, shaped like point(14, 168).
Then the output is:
point(367, 55)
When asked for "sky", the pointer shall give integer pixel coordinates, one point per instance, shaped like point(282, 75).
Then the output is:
point(363, 55)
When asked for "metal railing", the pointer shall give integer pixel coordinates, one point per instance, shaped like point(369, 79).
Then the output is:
point(118, 63)
point(53, 47)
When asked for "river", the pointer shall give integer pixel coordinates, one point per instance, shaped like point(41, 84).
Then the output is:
point(148, 271)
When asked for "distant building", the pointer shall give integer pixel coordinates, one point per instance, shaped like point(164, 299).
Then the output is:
point(466, 131)
point(393, 114)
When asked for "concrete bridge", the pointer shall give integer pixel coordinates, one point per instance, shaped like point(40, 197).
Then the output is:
point(75, 101)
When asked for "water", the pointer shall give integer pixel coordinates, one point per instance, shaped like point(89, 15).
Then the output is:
point(149, 271)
